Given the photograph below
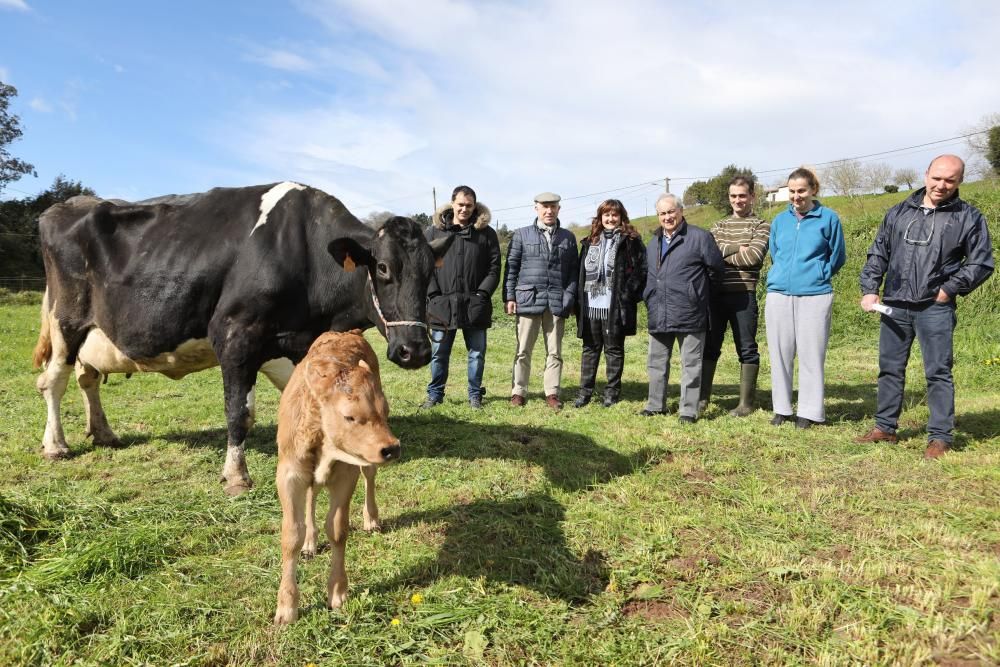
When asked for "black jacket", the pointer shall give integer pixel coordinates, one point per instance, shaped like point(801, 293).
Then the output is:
point(538, 277)
point(948, 249)
point(460, 292)
point(678, 285)
point(629, 279)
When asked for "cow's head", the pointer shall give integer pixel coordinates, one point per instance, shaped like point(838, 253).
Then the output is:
point(400, 263)
point(341, 373)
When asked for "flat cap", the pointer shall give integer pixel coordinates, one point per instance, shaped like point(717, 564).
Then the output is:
point(547, 198)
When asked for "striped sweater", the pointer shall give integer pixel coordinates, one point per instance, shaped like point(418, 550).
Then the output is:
point(742, 264)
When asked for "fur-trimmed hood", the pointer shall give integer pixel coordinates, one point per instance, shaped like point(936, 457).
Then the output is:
point(444, 217)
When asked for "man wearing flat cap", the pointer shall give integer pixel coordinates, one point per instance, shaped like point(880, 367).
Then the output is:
point(540, 290)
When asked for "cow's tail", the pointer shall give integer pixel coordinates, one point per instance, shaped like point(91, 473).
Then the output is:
point(43, 348)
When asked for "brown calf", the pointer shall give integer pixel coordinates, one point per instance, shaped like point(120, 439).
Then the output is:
point(332, 419)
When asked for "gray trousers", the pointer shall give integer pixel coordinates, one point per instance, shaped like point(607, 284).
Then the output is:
point(798, 326)
point(692, 347)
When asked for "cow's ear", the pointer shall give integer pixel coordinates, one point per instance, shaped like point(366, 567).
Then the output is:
point(439, 247)
point(348, 253)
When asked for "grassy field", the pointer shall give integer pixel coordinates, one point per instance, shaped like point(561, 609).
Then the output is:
point(521, 536)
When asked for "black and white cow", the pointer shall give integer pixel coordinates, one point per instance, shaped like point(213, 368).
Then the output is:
point(244, 278)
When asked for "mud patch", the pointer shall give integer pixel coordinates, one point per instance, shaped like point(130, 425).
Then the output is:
point(653, 610)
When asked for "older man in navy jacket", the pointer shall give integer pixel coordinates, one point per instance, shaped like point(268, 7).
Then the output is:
point(681, 263)
point(540, 288)
point(930, 248)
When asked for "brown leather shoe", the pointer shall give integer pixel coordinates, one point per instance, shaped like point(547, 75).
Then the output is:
point(936, 449)
point(517, 400)
point(553, 402)
point(876, 435)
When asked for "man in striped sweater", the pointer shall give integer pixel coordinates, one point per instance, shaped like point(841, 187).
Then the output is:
point(742, 240)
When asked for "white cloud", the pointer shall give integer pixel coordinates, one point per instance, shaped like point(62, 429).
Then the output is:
point(570, 96)
point(19, 5)
point(39, 104)
point(281, 59)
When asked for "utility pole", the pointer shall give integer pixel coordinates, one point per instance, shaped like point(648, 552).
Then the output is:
point(434, 193)
point(666, 184)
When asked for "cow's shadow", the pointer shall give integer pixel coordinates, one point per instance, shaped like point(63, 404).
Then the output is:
point(513, 541)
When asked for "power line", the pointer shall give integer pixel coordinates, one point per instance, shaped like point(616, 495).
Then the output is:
point(657, 181)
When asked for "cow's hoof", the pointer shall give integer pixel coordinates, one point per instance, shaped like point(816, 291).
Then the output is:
point(308, 552)
point(372, 526)
point(285, 615)
point(238, 488)
point(56, 454)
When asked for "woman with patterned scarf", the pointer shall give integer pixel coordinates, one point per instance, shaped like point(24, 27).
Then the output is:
point(612, 278)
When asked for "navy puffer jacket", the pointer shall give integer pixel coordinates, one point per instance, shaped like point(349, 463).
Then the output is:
point(537, 277)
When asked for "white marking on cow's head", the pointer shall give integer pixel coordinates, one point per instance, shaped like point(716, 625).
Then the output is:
point(271, 199)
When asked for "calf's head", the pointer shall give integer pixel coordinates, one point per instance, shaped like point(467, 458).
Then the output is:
point(400, 263)
point(343, 379)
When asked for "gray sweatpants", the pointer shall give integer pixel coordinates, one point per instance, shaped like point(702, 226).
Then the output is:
point(798, 325)
point(692, 347)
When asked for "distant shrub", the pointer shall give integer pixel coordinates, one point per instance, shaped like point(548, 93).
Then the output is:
point(892, 188)
point(25, 298)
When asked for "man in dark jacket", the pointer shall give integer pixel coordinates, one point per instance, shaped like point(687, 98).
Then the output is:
point(930, 248)
point(682, 261)
point(540, 289)
point(460, 292)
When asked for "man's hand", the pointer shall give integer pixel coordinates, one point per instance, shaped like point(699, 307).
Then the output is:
point(942, 297)
point(511, 307)
point(868, 301)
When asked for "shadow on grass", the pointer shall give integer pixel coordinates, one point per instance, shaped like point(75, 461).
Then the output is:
point(571, 461)
point(515, 541)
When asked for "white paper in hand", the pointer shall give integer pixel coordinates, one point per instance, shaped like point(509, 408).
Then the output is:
point(882, 308)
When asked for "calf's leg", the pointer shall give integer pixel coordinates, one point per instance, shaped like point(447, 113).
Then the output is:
point(343, 479)
point(309, 545)
point(371, 508)
point(292, 486)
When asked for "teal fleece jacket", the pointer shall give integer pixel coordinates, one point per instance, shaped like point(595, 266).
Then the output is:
point(805, 254)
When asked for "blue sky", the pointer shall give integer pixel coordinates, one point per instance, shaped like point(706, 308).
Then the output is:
point(379, 102)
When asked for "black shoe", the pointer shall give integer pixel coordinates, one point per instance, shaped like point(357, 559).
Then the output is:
point(581, 400)
point(476, 402)
point(778, 420)
point(684, 419)
point(609, 401)
point(430, 402)
point(649, 413)
point(803, 422)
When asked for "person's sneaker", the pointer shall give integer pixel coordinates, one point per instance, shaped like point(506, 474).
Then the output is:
point(876, 435)
point(609, 401)
point(476, 402)
point(936, 449)
point(805, 422)
point(553, 402)
point(686, 419)
point(648, 413)
point(517, 401)
point(430, 402)
point(581, 400)
point(778, 420)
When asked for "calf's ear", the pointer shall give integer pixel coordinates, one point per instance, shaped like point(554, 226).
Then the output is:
point(349, 253)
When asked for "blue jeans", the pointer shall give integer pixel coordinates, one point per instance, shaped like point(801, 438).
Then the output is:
point(933, 325)
point(441, 343)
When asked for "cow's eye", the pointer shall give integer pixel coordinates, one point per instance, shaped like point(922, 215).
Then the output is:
point(348, 418)
point(383, 270)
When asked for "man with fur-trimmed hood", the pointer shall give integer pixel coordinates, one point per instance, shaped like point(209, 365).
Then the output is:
point(460, 294)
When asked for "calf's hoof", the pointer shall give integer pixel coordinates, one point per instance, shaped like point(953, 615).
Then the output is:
point(285, 615)
point(372, 526)
point(336, 600)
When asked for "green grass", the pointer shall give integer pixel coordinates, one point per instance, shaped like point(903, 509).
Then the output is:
point(586, 537)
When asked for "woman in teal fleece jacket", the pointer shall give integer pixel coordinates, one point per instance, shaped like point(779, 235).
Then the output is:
point(807, 250)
